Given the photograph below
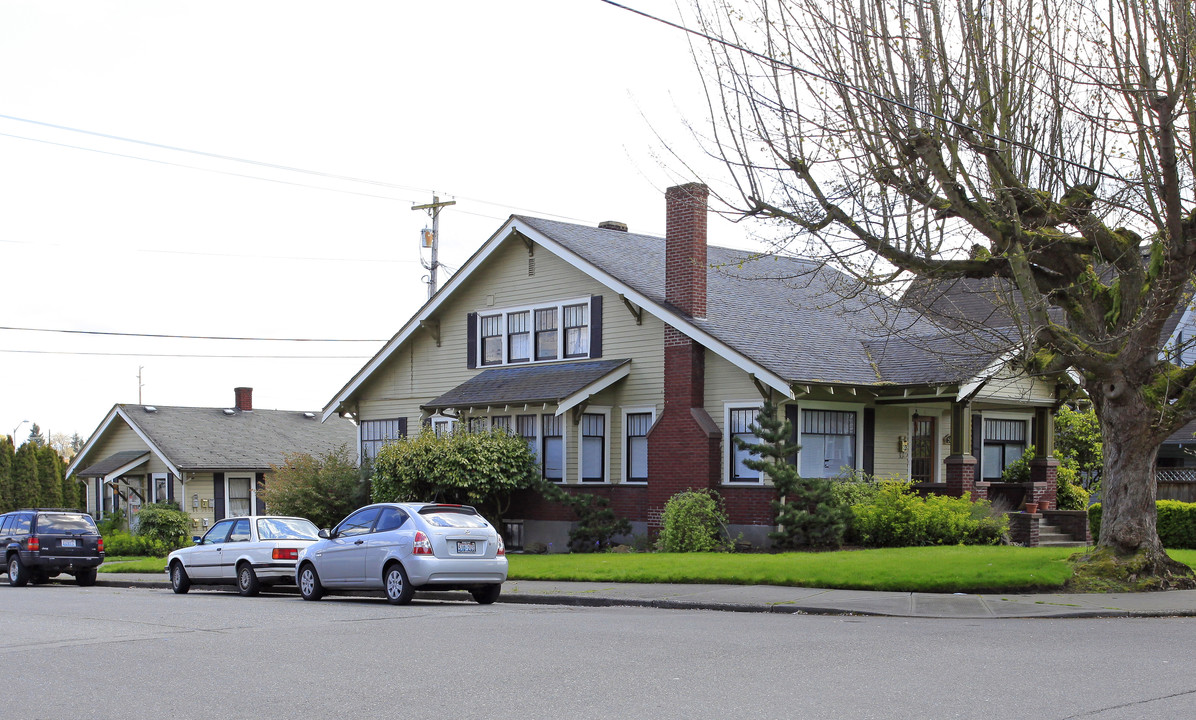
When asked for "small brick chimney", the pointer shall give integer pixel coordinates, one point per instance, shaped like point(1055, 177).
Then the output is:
point(685, 248)
point(244, 397)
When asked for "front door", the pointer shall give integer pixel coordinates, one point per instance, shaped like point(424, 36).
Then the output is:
point(921, 462)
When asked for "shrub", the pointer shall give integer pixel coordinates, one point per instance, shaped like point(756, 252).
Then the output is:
point(164, 523)
point(693, 521)
point(473, 468)
point(1069, 495)
point(1176, 523)
point(112, 524)
point(897, 517)
point(1019, 470)
point(122, 543)
point(322, 489)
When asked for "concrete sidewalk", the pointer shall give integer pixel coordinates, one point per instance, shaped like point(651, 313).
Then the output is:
point(814, 601)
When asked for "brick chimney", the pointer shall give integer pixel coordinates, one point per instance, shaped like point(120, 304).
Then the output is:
point(685, 248)
point(244, 397)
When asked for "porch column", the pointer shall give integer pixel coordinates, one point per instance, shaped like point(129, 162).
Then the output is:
point(960, 465)
point(1044, 467)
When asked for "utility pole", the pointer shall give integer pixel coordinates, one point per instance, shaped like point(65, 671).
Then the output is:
point(139, 383)
point(433, 209)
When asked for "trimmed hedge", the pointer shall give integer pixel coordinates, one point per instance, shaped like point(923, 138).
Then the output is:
point(1176, 523)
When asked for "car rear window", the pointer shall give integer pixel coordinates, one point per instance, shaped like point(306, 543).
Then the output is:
point(446, 518)
point(286, 529)
point(73, 524)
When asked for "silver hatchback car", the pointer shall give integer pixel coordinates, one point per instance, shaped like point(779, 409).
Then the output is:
point(404, 547)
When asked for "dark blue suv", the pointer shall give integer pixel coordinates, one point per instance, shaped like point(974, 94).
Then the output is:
point(40, 544)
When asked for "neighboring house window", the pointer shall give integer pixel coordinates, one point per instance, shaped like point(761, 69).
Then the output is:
point(501, 422)
point(1004, 442)
point(492, 340)
point(593, 447)
point(376, 433)
point(637, 426)
point(740, 421)
point(827, 442)
point(161, 489)
point(477, 424)
point(546, 339)
point(442, 426)
point(577, 331)
point(553, 444)
point(240, 496)
point(519, 337)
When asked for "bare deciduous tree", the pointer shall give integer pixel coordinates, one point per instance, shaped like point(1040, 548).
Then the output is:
point(1043, 145)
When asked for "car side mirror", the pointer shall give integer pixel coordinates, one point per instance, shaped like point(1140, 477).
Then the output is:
point(324, 533)
point(196, 539)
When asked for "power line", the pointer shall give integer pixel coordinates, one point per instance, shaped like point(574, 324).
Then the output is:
point(185, 337)
point(191, 355)
point(877, 96)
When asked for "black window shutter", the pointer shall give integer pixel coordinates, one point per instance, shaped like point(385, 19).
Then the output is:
point(170, 488)
point(260, 482)
point(218, 495)
point(402, 427)
point(869, 441)
point(595, 326)
point(978, 445)
point(472, 344)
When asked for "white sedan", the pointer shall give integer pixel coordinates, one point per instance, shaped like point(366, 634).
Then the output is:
point(248, 552)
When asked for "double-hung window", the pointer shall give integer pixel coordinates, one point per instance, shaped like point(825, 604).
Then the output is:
point(577, 331)
point(593, 447)
point(739, 426)
point(525, 426)
point(553, 443)
point(827, 442)
point(501, 422)
point(519, 337)
point(1004, 442)
point(376, 433)
point(492, 340)
point(546, 336)
point(637, 426)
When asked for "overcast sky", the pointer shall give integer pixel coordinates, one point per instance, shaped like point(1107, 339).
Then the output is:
point(555, 108)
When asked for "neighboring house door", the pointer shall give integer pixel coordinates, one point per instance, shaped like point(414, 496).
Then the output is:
point(921, 463)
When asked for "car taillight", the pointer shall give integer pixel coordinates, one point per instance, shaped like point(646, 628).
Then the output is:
point(502, 547)
point(422, 545)
point(34, 544)
point(285, 554)
point(100, 545)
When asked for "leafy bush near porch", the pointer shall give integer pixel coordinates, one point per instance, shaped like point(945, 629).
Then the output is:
point(1069, 493)
point(898, 517)
point(164, 523)
point(693, 521)
point(1176, 523)
point(122, 543)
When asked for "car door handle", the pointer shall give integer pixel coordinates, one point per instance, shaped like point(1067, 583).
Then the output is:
point(359, 542)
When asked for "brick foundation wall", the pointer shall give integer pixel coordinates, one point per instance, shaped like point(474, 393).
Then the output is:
point(1043, 473)
point(749, 505)
point(960, 476)
point(1023, 528)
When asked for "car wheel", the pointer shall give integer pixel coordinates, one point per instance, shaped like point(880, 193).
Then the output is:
point(398, 587)
point(247, 582)
point(86, 578)
point(486, 594)
point(309, 583)
point(16, 571)
point(179, 582)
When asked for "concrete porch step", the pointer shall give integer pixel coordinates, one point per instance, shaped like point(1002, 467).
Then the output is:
point(1050, 535)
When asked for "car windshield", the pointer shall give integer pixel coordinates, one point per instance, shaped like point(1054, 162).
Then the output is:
point(452, 519)
point(286, 529)
point(73, 524)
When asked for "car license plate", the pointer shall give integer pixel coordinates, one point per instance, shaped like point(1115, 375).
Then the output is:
point(69, 543)
point(467, 546)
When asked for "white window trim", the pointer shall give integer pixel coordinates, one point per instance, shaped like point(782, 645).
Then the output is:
point(729, 444)
point(252, 493)
point(857, 408)
point(439, 419)
point(1028, 418)
point(606, 479)
point(651, 409)
point(559, 306)
point(153, 490)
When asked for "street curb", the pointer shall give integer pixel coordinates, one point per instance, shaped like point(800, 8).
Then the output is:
point(759, 608)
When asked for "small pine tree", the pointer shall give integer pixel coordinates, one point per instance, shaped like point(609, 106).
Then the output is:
point(806, 512)
point(25, 487)
point(35, 435)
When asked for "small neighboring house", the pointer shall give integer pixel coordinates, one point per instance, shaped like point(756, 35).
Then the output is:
point(629, 363)
point(211, 461)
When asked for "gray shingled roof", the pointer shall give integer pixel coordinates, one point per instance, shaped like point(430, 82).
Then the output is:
point(209, 439)
point(525, 385)
point(802, 320)
point(112, 462)
point(937, 359)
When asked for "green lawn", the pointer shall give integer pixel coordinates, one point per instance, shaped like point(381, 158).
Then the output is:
point(928, 569)
point(127, 564)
